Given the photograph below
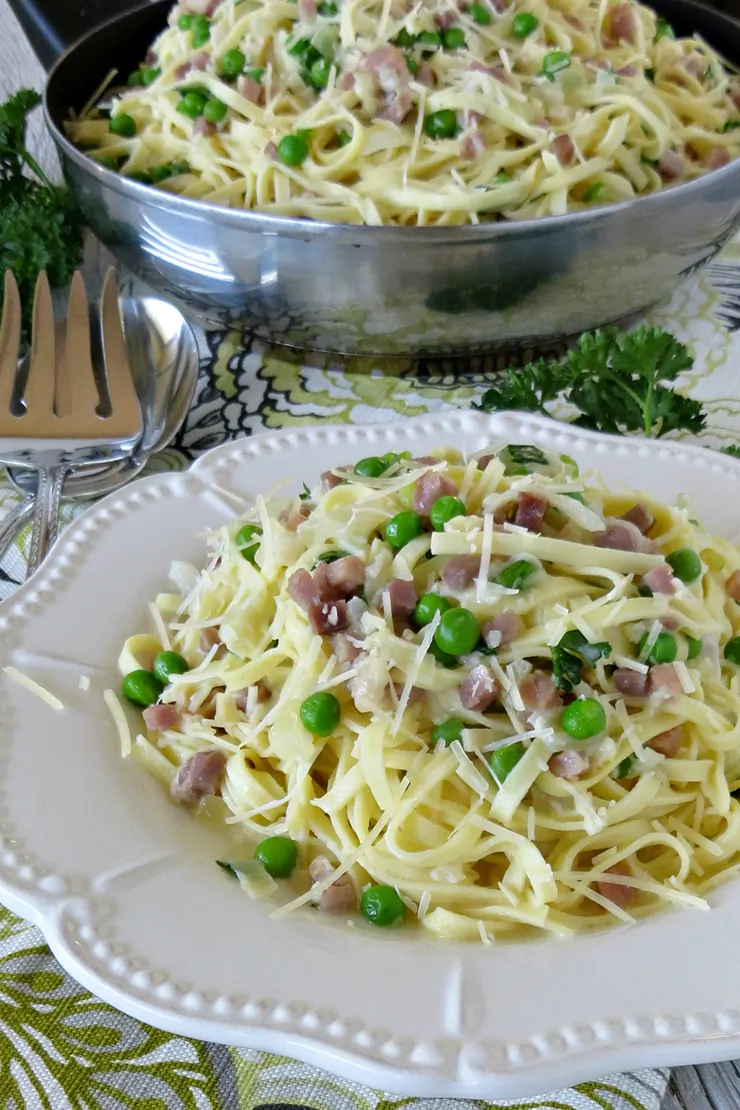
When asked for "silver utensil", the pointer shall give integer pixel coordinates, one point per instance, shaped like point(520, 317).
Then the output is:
point(391, 290)
point(163, 354)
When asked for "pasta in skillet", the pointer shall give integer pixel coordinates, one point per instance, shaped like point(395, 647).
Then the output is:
point(403, 112)
point(488, 695)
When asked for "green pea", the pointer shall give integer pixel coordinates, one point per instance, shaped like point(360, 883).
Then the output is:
point(524, 24)
point(185, 22)
point(320, 72)
point(404, 38)
point(292, 150)
point(444, 509)
point(257, 74)
point(664, 650)
point(123, 125)
point(168, 663)
point(694, 645)
point(411, 64)
point(453, 38)
point(159, 174)
point(427, 607)
point(381, 905)
point(278, 855)
point(149, 75)
point(327, 8)
point(685, 564)
point(554, 62)
point(192, 104)
point(429, 38)
point(583, 718)
point(320, 713)
point(594, 193)
point(110, 163)
point(503, 760)
point(201, 31)
point(442, 657)
point(134, 78)
point(623, 769)
point(232, 63)
point(732, 650)
point(215, 110)
point(479, 14)
point(516, 575)
point(403, 528)
point(371, 467)
point(141, 176)
point(441, 124)
point(242, 539)
point(458, 632)
point(141, 687)
point(448, 731)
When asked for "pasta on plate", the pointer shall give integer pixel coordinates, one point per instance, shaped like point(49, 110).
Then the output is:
point(488, 695)
point(417, 113)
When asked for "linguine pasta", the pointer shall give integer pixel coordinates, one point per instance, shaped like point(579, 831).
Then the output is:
point(504, 694)
point(395, 112)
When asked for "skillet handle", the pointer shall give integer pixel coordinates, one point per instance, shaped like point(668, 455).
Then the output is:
point(53, 25)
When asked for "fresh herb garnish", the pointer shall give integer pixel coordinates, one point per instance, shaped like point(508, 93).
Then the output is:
point(306, 495)
point(523, 454)
point(571, 655)
point(663, 30)
point(733, 451)
point(40, 224)
point(331, 556)
point(618, 382)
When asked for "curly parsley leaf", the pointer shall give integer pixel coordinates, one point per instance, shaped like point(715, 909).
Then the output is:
point(733, 451)
point(620, 382)
point(571, 654)
point(40, 224)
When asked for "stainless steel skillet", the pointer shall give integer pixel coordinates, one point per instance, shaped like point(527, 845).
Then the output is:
point(388, 290)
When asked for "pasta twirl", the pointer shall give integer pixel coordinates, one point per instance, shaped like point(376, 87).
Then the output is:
point(395, 112)
point(495, 688)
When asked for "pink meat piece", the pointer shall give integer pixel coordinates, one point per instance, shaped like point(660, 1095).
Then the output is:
point(203, 126)
point(472, 144)
point(388, 64)
point(346, 81)
point(346, 648)
point(445, 20)
point(479, 689)
point(199, 777)
point(568, 764)
point(302, 589)
point(344, 576)
point(470, 118)
point(539, 692)
point(615, 892)
point(633, 684)
point(293, 518)
point(732, 585)
point(329, 618)
point(250, 89)
point(198, 61)
point(429, 488)
point(660, 579)
point(272, 153)
point(620, 535)
point(459, 571)
point(484, 460)
point(627, 71)
point(426, 460)
point(717, 158)
point(402, 597)
point(507, 624)
point(264, 693)
point(497, 72)
point(330, 480)
point(641, 517)
point(416, 693)
point(341, 896)
point(664, 680)
point(208, 639)
point(564, 150)
point(622, 25)
point(695, 63)
point(574, 21)
point(151, 57)
point(671, 166)
point(396, 107)
point(735, 98)
point(425, 75)
point(307, 9)
point(530, 511)
point(160, 717)
point(669, 742)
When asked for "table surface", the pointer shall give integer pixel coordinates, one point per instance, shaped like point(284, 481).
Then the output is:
point(711, 1087)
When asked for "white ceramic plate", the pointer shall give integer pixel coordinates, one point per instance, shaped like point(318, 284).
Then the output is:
point(125, 888)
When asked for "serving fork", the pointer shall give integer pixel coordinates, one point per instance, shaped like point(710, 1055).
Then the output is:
point(60, 417)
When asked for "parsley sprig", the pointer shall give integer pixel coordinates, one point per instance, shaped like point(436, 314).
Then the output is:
point(40, 225)
point(618, 382)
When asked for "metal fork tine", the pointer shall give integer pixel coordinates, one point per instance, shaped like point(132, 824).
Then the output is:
point(39, 392)
point(10, 340)
point(76, 363)
point(125, 410)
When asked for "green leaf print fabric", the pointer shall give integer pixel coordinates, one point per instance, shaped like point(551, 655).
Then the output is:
point(63, 1049)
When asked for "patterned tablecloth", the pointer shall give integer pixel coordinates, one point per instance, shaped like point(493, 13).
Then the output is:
point(59, 1046)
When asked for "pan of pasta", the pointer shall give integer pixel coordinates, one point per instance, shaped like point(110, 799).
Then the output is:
point(385, 747)
point(400, 177)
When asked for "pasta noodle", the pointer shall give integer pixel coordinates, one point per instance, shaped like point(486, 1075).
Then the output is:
point(417, 113)
point(517, 712)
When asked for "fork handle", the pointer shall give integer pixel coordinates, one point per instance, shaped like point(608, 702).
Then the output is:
point(46, 515)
